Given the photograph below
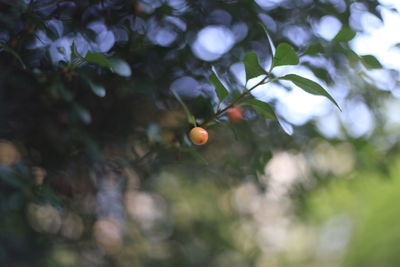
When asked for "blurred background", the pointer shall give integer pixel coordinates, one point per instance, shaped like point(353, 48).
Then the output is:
point(96, 168)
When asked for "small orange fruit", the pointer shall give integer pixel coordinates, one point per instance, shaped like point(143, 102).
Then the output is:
point(198, 136)
point(235, 114)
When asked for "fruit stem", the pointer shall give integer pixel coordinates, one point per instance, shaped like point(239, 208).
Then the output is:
point(235, 101)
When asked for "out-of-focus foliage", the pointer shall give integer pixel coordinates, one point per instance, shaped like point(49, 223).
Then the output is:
point(355, 218)
point(95, 165)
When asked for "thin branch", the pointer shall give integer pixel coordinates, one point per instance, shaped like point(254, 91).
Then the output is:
point(235, 101)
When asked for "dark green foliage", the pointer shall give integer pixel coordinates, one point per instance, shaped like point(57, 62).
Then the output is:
point(284, 55)
point(97, 98)
point(370, 62)
point(262, 108)
point(252, 67)
point(220, 89)
point(344, 35)
point(309, 86)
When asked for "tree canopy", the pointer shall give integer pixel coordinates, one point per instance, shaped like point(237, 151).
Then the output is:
point(97, 99)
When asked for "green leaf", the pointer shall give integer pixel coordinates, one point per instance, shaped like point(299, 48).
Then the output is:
point(314, 49)
point(82, 113)
point(344, 35)
point(271, 44)
point(120, 67)
point(252, 67)
point(39, 23)
point(219, 87)
point(352, 56)
point(320, 73)
point(190, 117)
point(116, 65)
point(371, 62)
point(64, 93)
point(261, 107)
point(261, 161)
point(98, 59)
point(285, 55)
point(97, 89)
point(193, 152)
point(14, 53)
point(309, 86)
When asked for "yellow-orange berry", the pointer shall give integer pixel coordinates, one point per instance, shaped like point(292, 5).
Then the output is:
point(235, 114)
point(198, 136)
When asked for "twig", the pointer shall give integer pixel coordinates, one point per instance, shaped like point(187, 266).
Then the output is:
point(234, 102)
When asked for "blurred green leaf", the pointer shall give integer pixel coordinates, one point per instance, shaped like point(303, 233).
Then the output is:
point(97, 89)
point(98, 59)
point(196, 155)
point(261, 107)
point(14, 53)
point(271, 44)
point(371, 62)
point(63, 92)
point(190, 117)
point(320, 73)
point(352, 56)
point(82, 113)
point(314, 49)
point(120, 67)
point(309, 86)
point(252, 67)
point(219, 87)
point(261, 162)
point(344, 35)
point(285, 55)
point(116, 65)
point(39, 23)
